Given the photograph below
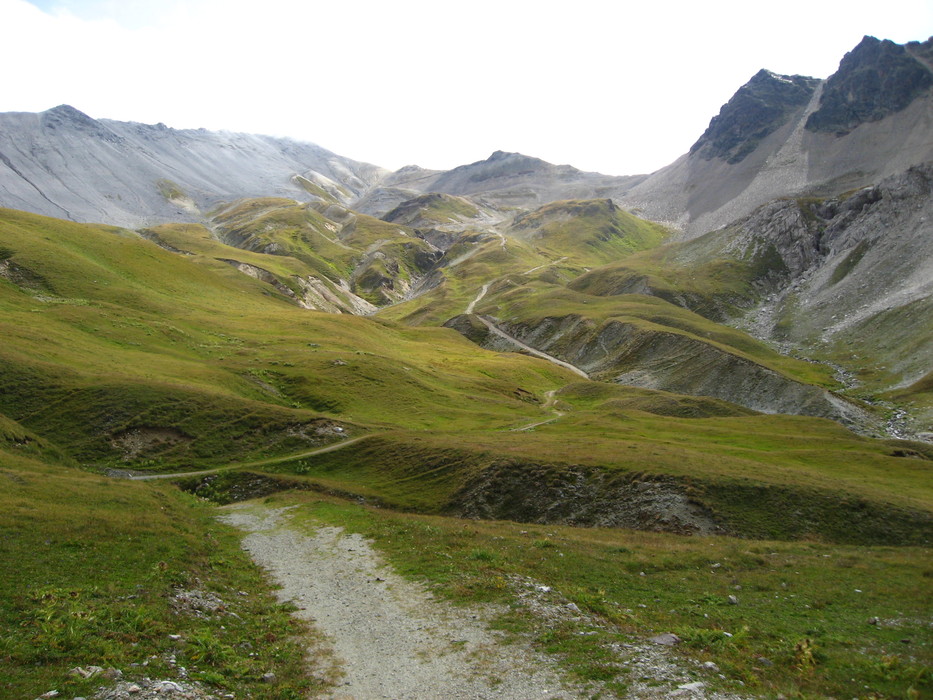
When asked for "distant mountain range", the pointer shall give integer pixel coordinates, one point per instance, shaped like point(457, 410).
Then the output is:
point(779, 135)
point(62, 163)
point(801, 215)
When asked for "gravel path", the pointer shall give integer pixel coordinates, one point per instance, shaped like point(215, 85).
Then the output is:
point(480, 295)
point(527, 348)
point(390, 636)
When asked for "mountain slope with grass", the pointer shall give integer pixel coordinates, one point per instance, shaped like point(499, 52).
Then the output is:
point(123, 354)
point(814, 276)
point(682, 458)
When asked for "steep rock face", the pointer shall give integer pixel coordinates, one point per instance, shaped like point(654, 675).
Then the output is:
point(875, 79)
point(759, 107)
point(842, 259)
point(65, 164)
point(870, 288)
point(880, 100)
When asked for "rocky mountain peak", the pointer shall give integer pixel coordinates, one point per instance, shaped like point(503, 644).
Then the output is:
point(875, 79)
point(756, 110)
point(509, 160)
point(498, 168)
point(69, 118)
point(68, 113)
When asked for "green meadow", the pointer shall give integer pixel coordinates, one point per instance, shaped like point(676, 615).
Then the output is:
point(120, 353)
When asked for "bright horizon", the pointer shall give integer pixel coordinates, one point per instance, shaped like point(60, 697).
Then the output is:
point(605, 87)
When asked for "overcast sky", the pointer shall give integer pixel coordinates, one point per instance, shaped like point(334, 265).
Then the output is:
point(610, 86)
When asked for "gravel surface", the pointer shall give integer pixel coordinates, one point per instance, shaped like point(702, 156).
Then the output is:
point(391, 638)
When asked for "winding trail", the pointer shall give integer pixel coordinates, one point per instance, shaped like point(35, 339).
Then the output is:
point(549, 404)
point(389, 637)
point(541, 267)
point(238, 465)
point(482, 293)
point(533, 351)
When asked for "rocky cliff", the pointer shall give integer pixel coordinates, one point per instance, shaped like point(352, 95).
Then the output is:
point(759, 108)
point(874, 80)
point(791, 135)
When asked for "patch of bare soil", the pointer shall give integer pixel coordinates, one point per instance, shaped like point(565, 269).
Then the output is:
point(140, 441)
point(579, 496)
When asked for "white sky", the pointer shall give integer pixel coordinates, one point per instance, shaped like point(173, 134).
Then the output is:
point(612, 86)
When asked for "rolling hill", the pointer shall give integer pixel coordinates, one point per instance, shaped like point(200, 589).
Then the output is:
point(499, 373)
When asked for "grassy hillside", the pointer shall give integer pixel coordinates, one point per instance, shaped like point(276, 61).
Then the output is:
point(743, 472)
point(118, 574)
point(588, 232)
point(537, 286)
point(715, 287)
point(531, 304)
point(119, 353)
point(370, 256)
point(432, 209)
point(555, 243)
point(119, 335)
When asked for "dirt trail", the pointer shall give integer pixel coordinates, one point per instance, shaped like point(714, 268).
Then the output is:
point(549, 404)
point(258, 463)
point(534, 351)
point(482, 293)
point(391, 638)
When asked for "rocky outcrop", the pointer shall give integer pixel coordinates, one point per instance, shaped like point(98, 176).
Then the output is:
point(870, 120)
point(861, 274)
point(875, 79)
point(760, 107)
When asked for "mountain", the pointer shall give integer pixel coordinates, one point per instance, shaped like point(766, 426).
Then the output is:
point(496, 373)
point(771, 237)
point(779, 135)
point(812, 275)
point(63, 163)
point(501, 180)
point(784, 135)
point(792, 272)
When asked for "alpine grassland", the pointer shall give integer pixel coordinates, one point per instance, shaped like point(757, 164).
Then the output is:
point(434, 208)
point(134, 577)
point(483, 473)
